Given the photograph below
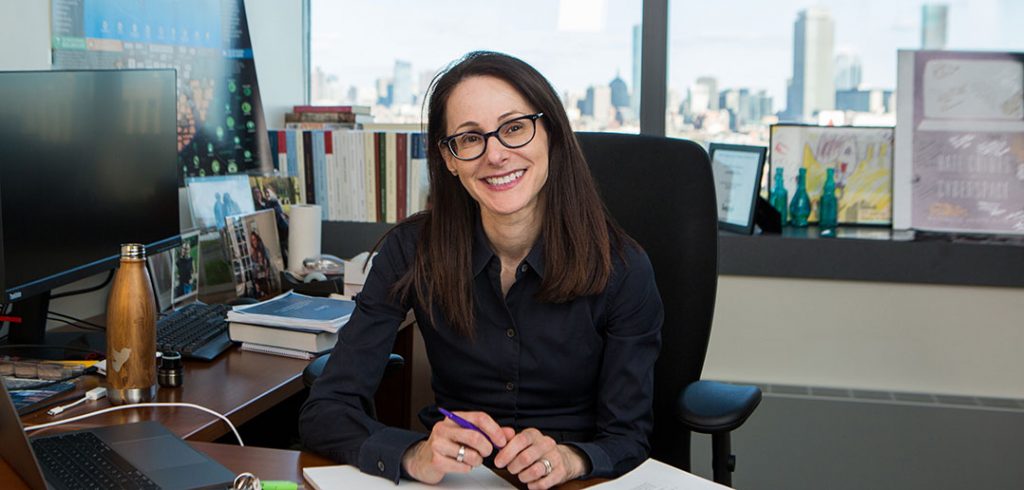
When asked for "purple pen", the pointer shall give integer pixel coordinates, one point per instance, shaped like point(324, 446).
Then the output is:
point(465, 424)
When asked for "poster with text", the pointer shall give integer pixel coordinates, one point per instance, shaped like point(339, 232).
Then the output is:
point(961, 125)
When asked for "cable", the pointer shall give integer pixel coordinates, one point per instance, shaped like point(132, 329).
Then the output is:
point(44, 346)
point(78, 320)
point(75, 325)
point(91, 395)
point(138, 405)
point(48, 403)
point(86, 290)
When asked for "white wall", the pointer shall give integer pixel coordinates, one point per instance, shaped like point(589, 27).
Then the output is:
point(901, 337)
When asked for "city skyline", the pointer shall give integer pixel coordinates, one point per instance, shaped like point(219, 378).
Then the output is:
point(753, 50)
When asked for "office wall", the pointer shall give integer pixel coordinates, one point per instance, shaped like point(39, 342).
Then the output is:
point(885, 336)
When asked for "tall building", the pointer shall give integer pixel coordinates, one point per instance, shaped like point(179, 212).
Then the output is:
point(848, 71)
point(933, 25)
point(620, 93)
point(812, 87)
point(634, 97)
point(598, 103)
point(402, 84)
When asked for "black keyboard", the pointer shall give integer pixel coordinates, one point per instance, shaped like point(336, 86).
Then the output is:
point(82, 460)
point(197, 330)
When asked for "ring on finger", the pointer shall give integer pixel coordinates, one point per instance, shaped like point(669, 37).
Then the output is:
point(462, 454)
point(547, 466)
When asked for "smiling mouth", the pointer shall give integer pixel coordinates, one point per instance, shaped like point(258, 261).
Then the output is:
point(505, 179)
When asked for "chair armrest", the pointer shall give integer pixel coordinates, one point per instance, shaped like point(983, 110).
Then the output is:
point(710, 407)
point(316, 367)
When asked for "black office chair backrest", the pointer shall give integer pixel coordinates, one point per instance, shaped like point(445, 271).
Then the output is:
point(662, 192)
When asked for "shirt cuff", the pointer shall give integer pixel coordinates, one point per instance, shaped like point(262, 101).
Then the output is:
point(381, 453)
point(600, 465)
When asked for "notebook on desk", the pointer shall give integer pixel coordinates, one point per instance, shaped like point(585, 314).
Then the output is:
point(137, 455)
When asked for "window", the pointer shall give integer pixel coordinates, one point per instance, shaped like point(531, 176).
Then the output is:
point(384, 54)
point(732, 71)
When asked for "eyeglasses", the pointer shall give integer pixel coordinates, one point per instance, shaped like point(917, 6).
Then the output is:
point(515, 133)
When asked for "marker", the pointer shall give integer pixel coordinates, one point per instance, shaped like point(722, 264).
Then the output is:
point(465, 424)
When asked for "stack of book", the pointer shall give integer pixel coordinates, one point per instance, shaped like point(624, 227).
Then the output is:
point(292, 324)
point(327, 117)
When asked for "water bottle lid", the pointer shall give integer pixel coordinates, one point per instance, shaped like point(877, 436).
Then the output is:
point(133, 251)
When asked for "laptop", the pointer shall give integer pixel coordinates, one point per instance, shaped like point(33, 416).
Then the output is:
point(136, 455)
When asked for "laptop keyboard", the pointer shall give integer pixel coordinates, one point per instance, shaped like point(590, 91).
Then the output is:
point(196, 330)
point(82, 460)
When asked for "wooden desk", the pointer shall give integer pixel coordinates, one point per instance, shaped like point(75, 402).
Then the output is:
point(268, 464)
point(238, 384)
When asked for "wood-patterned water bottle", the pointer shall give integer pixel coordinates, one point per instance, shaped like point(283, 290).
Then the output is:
point(131, 331)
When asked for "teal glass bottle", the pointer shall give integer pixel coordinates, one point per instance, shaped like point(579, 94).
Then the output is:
point(828, 208)
point(800, 206)
point(780, 197)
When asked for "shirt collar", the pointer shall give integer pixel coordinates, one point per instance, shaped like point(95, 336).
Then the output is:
point(482, 252)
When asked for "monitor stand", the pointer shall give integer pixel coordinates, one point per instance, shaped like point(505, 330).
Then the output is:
point(35, 342)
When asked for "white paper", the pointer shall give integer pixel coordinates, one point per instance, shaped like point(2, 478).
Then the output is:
point(304, 222)
point(655, 475)
point(345, 476)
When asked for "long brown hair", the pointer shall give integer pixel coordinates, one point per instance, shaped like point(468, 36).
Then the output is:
point(575, 229)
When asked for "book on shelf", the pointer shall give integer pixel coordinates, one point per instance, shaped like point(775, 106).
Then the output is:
point(297, 311)
point(298, 339)
point(355, 109)
point(325, 117)
point(277, 351)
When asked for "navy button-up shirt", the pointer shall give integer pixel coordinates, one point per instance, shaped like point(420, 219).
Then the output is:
point(581, 372)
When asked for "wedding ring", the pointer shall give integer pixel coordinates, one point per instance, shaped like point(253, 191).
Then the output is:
point(462, 454)
point(547, 467)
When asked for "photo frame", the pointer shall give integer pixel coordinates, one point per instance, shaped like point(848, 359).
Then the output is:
point(737, 170)
point(212, 199)
point(862, 159)
point(185, 268)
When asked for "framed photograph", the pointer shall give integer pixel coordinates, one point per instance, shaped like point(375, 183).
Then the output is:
point(185, 268)
point(737, 170)
point(862, 159)
point(256, 260)
point(214, 198)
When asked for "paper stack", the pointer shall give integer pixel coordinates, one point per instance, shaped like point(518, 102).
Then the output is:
point(292, 324)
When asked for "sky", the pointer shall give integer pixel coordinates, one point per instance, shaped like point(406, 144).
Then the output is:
point(577, 43)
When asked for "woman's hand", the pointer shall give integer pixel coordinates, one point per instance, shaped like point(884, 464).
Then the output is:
point(453, 449)
point(537, 461)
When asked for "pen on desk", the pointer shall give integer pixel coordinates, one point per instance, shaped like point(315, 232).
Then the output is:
point(465, 424)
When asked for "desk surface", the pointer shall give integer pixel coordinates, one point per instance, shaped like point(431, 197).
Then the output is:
point(268, 464)
point(237, 384)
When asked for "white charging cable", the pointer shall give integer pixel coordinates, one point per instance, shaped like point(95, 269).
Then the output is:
point(91, 395)
point(137, 405)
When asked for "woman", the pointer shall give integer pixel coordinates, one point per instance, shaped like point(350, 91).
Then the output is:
point(540, 318)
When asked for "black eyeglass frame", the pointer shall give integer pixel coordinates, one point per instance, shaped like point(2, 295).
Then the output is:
point(447, 140)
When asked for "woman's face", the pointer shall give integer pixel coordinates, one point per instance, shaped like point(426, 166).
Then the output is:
point(506, 182)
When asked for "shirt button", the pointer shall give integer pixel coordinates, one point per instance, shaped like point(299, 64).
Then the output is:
point(380, 466)
point(510, 386)
point(510, 332)
point(523, 268)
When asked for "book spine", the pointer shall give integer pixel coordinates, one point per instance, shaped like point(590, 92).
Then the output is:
point(320, 172)
point(272, 139)
point(379, 159)
point(319, 125)
point(391, 186)
point(282, 150)
point(369, 177)
point(307, 148)
point(291, 147)
point(401, 175)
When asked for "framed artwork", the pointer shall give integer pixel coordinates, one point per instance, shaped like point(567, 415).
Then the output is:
point(862, 160)
point(737, 170)
point(256, 260)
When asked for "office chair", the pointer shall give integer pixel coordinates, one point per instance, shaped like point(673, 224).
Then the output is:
point(662, 193)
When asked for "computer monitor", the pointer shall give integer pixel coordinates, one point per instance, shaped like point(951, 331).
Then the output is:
point(88, 161)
